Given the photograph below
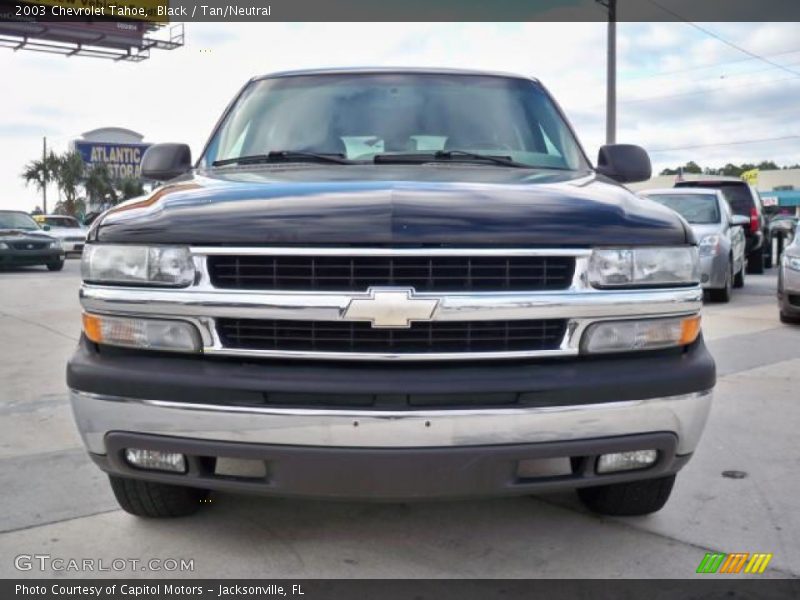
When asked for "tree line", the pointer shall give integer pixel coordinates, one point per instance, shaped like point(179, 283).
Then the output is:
point(72, 176)
point(729, 170)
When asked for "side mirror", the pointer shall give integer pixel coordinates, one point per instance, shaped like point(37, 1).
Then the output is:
point(162, 162)
point(45, 227)
point(624, 163)
point(740, 221)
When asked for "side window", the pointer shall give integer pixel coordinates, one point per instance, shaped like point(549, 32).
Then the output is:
point(727, 214)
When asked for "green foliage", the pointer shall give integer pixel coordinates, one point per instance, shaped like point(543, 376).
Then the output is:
point(729, 169)
point(71, 175)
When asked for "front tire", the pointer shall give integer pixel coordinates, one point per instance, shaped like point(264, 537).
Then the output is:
point(156, 500)
point(55, 266)
point(738, 279)
point(628, 499)
point(723, 294)
point(755, 262)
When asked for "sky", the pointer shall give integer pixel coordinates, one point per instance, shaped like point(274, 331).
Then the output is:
point(682, 93)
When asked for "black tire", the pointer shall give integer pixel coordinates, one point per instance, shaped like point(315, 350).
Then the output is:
point(789, 320)
point(768, 258)
point(156, 500)
point(55, 266)
point(723, 294)
point(755, 262)
point(628, 499)
point(738, 279)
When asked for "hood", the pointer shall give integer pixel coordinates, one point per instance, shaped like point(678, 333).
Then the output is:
point(386, 205)
point(66, 232)
point(22, 235)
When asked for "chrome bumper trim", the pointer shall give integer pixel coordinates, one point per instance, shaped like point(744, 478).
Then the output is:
point(320, 306)
point(97, 415)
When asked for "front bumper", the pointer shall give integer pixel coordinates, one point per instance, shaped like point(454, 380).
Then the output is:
point(714, 271)
point(393, 473)
point(22, 258)
point(73, 246)
point(99, 415)
point(789, 291)
point(572, 409)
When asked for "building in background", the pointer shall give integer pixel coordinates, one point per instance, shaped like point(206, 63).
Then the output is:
point(119, 149)
point(779, 188)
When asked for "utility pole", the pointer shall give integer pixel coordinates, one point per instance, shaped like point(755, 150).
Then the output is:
point(44, 175)
point(611, 71)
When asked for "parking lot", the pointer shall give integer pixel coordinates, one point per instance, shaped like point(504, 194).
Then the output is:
point(57, 502)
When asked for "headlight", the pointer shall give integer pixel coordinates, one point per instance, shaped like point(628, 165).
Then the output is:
point(3, 246)
point(791, 262)
point(143, 265)
point(55, 244)
point(642, 267)
point(709, 245)
point(640, 334)
point(148, 334)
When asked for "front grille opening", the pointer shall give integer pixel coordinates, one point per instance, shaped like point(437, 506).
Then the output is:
point(29, 245)
point(422, 338)
point(794, 300)
point(391, 401)
point(423, 273)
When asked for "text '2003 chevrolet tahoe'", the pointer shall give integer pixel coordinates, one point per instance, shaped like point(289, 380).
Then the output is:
point(391, 284)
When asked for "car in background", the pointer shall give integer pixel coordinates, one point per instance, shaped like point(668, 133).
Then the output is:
point(720, 236)
point(24, 244)
point(789, 283)
point(67, 229)
point(786, 224)
point(745, 201)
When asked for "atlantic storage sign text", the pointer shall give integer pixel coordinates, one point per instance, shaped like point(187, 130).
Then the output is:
point(122, 160)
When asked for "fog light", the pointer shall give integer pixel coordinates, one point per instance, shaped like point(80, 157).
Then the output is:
point(155, 460)
point(646, 334)
point(149, 334)
point(626, 461)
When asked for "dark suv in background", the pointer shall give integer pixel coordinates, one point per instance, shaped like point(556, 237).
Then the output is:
point(744, 200)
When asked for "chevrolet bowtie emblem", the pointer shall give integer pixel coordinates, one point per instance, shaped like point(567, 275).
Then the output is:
point(391, 308)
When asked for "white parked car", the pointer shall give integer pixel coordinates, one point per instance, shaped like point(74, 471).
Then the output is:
point(67, 229)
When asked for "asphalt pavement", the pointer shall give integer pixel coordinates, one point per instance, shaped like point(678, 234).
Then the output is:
point(57, 503)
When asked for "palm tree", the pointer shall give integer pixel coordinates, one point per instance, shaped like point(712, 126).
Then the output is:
point(99, 184)
point(40, 172)
point(69, 175)
point(129, 187)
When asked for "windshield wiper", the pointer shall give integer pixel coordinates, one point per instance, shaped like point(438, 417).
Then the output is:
point(284, 156)
point(448, 155)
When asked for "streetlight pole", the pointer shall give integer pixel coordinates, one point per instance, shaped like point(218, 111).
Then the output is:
point(611, 71)
point(44, 175)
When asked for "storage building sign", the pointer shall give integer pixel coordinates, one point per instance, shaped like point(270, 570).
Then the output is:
point(122, 160)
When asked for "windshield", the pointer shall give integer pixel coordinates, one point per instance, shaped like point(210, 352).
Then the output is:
point(17, 220)
point(61, 222)
point(362, 115)
point(697, 209)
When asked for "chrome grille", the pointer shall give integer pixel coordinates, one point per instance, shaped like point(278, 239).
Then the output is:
point(419, 338)
point(423, 273)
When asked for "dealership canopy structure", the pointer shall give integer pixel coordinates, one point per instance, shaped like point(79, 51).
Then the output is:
point(42, 28)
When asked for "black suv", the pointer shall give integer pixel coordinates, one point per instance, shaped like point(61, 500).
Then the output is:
point(391, 284)
point(744, 200)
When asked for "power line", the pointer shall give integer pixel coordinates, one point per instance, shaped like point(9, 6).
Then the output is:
point(708, 66)
point(724, 41)
point(710, 89)
point(721, 144)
